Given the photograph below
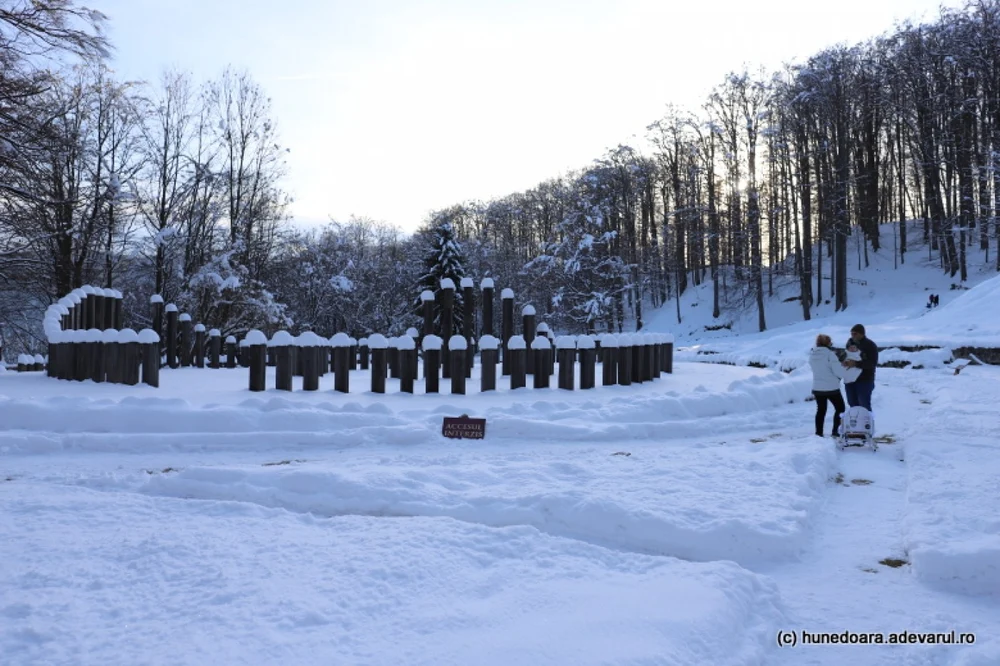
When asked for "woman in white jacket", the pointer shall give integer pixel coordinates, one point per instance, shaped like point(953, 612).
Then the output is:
point(827, 373)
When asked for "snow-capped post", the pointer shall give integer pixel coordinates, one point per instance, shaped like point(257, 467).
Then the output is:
point(458, 347)
point(406, 350)
point(280, 345)
point(186, 343)
point(149, 344)
point(311, 349)
point(39, 364)
point(379, 345)
point(171, 312)
point(107, 320)
point(668, 354)
point(341, 343)
point(431, 345)
point(231, 351)
point(95, 355)
point(74, 310)
point(541, 348)
point(244, 354)
point(638, 357)
point(542, 331)
point(427, 305)
point(566, 349)
point(363, 353)
point(64, 314)
point(588, 361)
point(199, 345)
point(352, 359)
point(625, 359)
point(488, 346)
point(447, 296)
point(609, 359)
point(100, 306)
point(653, 356)
point(22, 366)
point(118, 303)
point(469, 323)
point(88, 306)
point(128, 356)
point(156, 313)
point(255, 344)
point(506, 324)
point(392, 355)
point(109, 340)
point(517, 349)
point(649, 357)
point(487, 324)
point(529, 333)
point(214, 348)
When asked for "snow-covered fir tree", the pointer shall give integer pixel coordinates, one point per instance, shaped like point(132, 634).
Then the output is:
point(443, 259)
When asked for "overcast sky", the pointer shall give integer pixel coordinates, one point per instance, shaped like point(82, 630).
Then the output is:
point(394, 108)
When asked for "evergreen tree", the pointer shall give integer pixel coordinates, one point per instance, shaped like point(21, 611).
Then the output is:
point(442, 260)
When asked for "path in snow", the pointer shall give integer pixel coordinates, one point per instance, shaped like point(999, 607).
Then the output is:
point(839, 583)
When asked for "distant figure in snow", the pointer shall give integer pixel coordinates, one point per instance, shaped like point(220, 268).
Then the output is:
point(859, 392)
point(937, 299)
point(827, 373)
point(930, 301)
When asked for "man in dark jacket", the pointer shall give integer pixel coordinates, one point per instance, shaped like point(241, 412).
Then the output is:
point(859, 392)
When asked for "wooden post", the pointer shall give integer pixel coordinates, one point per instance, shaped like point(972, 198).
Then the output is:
point(378, 344)
point(487, 324)
point(119, 310)
point(128, 351)
point(244, 354)
point(446, 295)
point(172, 359)
point(100, 305)
point(76, 313)
point(488, 346)
point(364, 354)
point(431, 345)
point(529, 333)
point(256, 346)
point(518, 361)
point(392, 355)
point(311, 347)
point(89, 305)
point(656, 354)
point(281, 345)
point(214, 348)
point(109, 338)
point(427, 305)
point(609, 362)
point(649, 362)
point(540, 350)
point(638, 358)
point(406, 350)
point(95, 356)
point(352, 358)
point(109, 320)
point(469, 323)
point(156, 313)
point(22, 364)
point(625, 359)
point(588, 358)
point(457, 347)
point(542, 331)
point(341, 344)
point(668, 355)
point(199, 345)
point(186, 341)
point(506, 324)
point(231, 351)
point(149, 342)
point(566, 349)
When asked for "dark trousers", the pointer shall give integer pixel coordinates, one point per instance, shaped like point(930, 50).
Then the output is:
point(860, 394)
point(834, 397)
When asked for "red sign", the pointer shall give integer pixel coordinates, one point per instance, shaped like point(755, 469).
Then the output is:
point(462, 427)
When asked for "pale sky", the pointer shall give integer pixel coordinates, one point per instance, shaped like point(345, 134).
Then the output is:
point(394, 108)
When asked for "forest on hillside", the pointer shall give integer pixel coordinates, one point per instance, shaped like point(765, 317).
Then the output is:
point(174, 187)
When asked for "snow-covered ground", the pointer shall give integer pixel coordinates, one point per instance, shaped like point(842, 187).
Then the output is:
point(690, 521)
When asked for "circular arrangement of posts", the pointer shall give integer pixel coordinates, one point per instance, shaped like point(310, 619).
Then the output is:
point(87, 340)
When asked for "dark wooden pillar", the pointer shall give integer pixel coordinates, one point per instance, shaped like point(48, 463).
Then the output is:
point(566, 350)
point(231, 351)
point(457, 348)
point(609, 359)
point(149, 344)
point(199, 345)
point(488, 348)
point(171, 343)
point(406, 348)
point(506, 324)
point(341, 343)
point(255, 344)
point(528, 332)
point(187, 343)
point(379, 346)
point(427, 307)
point(446, 298)
point(214, 348)
point(431, 346)
point(486, 327)
point(518, 363)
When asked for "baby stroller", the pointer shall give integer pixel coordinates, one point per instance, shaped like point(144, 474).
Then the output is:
point(857, 428)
